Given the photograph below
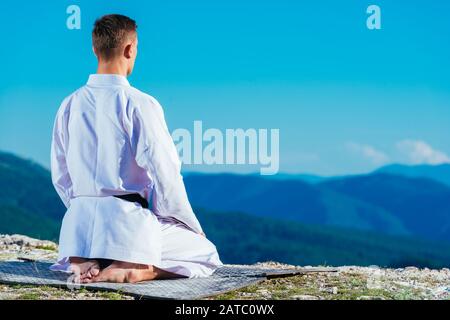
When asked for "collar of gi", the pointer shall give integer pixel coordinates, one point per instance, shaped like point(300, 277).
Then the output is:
point(107, 80)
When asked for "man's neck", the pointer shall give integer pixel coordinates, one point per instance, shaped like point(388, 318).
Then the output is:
point(113, 67)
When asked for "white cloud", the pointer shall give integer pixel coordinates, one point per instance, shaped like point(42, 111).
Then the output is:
point(419, 152)
point(369, 152)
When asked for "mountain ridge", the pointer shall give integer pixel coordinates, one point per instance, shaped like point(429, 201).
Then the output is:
point(332, 202)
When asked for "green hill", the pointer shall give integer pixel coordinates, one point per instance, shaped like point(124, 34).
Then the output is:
point(28, 202)
point(244, 238)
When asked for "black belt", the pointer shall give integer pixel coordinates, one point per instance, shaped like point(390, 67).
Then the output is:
point(134, 197)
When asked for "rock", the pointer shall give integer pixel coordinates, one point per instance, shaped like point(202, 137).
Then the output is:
point(442, 290)
point(411, 269)
point(304, 297)
point(370, 298)
point(7, 241)
point(263, 291)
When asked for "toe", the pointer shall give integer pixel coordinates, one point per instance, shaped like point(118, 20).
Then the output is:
point(90, 270)
point(86, 280)
point(95, 270)
point(100, 277)
point(86, 276)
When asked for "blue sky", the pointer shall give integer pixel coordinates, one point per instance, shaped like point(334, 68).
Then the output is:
point(346, 99)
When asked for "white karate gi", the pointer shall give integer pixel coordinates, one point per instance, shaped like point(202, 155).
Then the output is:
point(108, 139)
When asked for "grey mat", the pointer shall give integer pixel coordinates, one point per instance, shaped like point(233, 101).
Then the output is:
point(222, 280)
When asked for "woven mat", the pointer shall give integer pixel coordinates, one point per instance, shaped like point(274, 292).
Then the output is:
point(224, 279)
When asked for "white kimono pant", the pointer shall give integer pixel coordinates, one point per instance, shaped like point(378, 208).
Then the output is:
point(112, 228)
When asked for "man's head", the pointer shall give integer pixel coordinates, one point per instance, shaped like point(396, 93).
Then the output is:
point(114, 40)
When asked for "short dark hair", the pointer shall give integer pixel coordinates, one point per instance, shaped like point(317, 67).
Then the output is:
point(110, 32)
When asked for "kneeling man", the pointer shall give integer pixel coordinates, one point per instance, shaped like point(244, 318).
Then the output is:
point(111, 155)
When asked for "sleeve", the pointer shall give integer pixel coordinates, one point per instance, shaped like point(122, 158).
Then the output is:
point(155, 151)
point(59, 173)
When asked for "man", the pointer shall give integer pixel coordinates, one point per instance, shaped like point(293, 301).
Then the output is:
point(112, 152)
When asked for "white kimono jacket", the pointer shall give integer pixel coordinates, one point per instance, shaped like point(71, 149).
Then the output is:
point(108, 139)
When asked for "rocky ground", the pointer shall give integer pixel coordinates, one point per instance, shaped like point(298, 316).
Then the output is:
point(349, 282)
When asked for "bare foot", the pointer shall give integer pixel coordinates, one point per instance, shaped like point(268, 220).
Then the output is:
point(84, 268)
point(121, 272)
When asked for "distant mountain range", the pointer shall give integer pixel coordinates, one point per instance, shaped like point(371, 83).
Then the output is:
point(378, 202)
point(439, 173)
point(381, 218)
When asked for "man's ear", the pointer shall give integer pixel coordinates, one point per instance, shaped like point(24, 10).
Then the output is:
point(128, 51)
